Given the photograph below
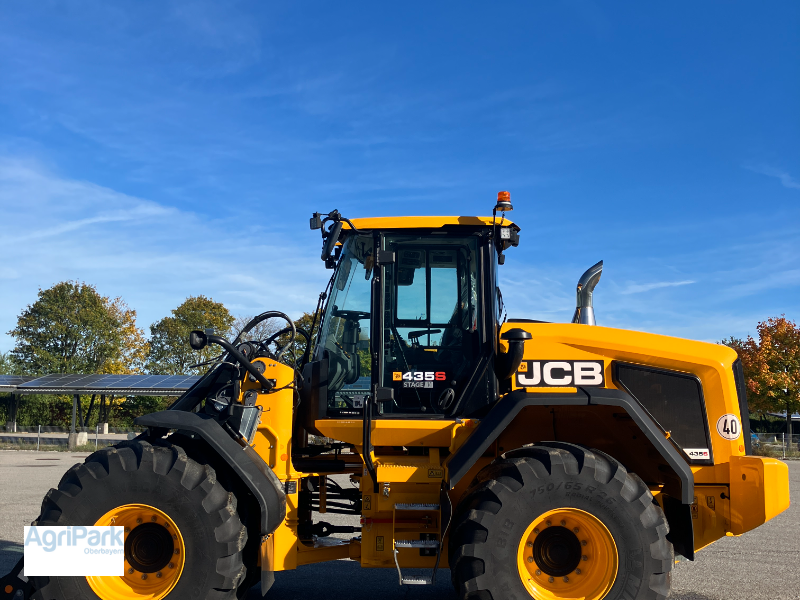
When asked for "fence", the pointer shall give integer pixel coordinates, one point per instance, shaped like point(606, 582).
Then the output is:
point(57, 438)
point(777, 445)
point(59, 429)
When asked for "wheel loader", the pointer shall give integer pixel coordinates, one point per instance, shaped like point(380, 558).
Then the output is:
point(530, 459)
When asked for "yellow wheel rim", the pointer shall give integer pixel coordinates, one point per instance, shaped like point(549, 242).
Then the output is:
point(154, 555)
point(567, 554)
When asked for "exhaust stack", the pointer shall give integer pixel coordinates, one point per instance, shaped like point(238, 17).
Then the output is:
point(584, 312)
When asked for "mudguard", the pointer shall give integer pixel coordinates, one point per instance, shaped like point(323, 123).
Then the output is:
point(245, 463)
point(507, 408)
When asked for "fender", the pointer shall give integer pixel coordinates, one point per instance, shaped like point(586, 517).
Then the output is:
point(248, 466)
point(498, 418)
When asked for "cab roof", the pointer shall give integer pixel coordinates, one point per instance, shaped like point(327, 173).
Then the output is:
point(382, 223)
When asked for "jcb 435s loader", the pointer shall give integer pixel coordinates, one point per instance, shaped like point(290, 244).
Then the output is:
point(534, 460)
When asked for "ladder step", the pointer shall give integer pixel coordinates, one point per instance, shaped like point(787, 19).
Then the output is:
point(417, 580)
point(416, 507)
point(416, 543)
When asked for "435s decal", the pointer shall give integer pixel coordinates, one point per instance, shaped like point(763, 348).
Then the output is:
point(419, 379)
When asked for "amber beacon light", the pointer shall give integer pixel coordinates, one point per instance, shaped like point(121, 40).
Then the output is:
point(504, 202)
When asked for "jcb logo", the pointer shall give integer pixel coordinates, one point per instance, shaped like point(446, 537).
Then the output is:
point(560, 373)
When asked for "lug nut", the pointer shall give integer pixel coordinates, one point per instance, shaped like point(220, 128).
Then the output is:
point(584, 557)
point(548, 523)
point(530, 559)
point(171, 565)
point(538, 572)
point(583, 542)
point(138, 521)
point(178, 552)
point(550, 579)
point(535, 530)
point(144, 575)
point(576, 530)
point(563, 523)
point(154, 518)
point(566, 579)
point(174, 536)
point(127, 530)
point(158, 574)
point(130, 571)
point(578, 571)
point(529, 544)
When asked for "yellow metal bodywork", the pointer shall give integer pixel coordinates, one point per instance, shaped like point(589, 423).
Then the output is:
point(759, 491)
point(384, 223)
point(735, 494)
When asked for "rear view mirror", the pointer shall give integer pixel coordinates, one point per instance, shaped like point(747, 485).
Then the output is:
point(330, 241)
point(198, 340)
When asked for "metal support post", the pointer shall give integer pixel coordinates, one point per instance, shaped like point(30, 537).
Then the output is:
point(72, 439)
point(74, 411)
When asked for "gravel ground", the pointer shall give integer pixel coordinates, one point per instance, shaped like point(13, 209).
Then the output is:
point(760, 565)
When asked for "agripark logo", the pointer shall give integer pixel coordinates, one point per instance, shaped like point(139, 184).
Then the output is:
point(74, 550)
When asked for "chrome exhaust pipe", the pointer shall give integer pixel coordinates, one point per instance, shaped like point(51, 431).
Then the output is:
point(584, 312)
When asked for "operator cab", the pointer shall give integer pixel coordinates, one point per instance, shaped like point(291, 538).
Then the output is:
point(411, 318)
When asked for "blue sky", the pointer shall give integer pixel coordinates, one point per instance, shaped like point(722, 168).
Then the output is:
point(166, 149)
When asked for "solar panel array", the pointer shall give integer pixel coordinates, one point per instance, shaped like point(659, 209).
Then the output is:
point(12, 381)
point(153, 385)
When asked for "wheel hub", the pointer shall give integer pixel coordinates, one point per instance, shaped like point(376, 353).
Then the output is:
point(557, 551)
point(149, 548)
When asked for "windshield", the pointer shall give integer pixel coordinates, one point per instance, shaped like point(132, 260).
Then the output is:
point(344, 337)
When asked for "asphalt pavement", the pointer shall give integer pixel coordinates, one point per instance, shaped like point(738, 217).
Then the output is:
point(760, 565)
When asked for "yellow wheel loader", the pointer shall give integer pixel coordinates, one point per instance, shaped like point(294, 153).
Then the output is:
point(531, 459)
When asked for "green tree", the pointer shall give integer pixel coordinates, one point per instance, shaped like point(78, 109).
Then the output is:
point(8, 365)
point(170, 353)
point(772, 367)
point(69, 329)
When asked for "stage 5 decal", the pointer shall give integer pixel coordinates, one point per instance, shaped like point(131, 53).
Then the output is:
point(560, 373)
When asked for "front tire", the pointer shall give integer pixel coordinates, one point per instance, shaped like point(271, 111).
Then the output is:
point(183, 539)
point(555, 520)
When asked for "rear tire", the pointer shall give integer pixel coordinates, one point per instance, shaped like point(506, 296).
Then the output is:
point(160, 476)
point(513, 534)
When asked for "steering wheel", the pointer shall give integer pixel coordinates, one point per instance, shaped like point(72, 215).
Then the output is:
point(351, 315)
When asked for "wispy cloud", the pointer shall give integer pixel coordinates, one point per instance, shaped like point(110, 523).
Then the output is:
point(152, 255)
point(638, 288)
point(785, 178)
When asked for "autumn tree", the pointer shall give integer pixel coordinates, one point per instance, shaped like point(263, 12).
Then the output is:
point(132, 358)
point(170, 353)
point(772, 367)
point(69, 329)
